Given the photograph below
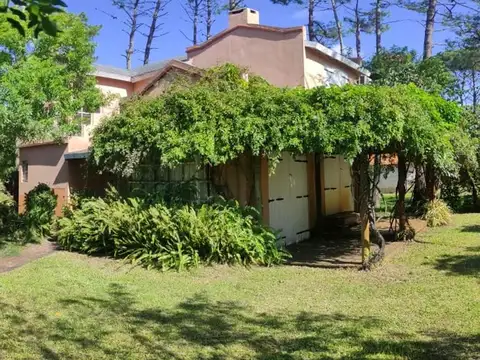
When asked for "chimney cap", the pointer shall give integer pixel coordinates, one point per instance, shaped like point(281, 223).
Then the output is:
point(243, 16)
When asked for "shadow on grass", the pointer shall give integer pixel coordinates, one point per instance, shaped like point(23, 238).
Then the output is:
point(200, 328)
point(468, 264)
point(471, 228)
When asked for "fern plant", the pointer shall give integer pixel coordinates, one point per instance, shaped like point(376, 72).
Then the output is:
point(169, 237)
point(437, 213)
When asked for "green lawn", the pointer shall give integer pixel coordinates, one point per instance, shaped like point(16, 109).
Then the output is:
point(423, 303)
point(9, 249)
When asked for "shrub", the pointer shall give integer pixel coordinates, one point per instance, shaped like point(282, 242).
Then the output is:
point(40, 205)
point(437, 213)
point(9, 218)
point(163, 237)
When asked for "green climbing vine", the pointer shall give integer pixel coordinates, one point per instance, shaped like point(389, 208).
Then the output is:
point(222, 115)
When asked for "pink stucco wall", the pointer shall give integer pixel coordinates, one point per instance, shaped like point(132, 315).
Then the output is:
point(46, 164)
point(140, 85)
point(278, 56)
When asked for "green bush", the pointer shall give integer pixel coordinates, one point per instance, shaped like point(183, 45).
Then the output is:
point(40, 206)
point(163, 237)
point(9, 219)
point(437, 213)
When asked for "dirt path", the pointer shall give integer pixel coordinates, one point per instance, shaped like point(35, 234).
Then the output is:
point(29, 253)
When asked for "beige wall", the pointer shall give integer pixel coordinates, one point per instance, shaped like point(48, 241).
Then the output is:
point(46, 164)
point(113, 88)
point(316, 66)
point(276, 56)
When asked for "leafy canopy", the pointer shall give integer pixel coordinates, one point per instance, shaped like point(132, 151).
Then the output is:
point(222, 115)
point(33, 15)
point(44, 82)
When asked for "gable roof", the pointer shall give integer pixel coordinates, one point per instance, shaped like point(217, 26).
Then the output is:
point(227, 31)
point(171, 65)
point(132, 75)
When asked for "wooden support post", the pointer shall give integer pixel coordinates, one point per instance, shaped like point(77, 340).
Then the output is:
point(365, 224)
point(401, 186)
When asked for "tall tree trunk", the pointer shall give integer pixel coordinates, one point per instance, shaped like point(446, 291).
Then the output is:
point(378, 26)
point(338, 25)
point(209, 18)
point(358, 40)
point(152, 31)
point(364, 195)
point(429, 28)
point(131, 36)
point(311, 27)
point(402, 190)
point(474, 91)
point(195, 15)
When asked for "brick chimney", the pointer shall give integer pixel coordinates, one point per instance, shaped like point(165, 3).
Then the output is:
point(243, 16)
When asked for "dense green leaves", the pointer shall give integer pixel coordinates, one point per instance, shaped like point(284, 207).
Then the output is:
point(164, 237)
point(33, 15)
point(222, 116)
point(44, 82)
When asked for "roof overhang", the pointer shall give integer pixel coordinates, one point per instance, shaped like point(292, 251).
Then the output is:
point(335, 55)
point(77, 155)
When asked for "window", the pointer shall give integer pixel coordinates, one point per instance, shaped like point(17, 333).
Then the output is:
point(84, 117)
point(24, 171)
point(335, 77)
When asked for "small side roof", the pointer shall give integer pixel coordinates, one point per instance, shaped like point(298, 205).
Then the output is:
point(117, 73)
point(335, 55)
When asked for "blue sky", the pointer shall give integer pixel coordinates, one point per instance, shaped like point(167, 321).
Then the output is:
point(111, 42)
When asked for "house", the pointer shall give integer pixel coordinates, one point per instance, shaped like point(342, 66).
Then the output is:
point(302, 188)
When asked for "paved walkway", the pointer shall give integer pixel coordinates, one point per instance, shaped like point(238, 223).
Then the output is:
point(29, 253)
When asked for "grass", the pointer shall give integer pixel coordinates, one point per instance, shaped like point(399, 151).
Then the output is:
point(423, 303)
point(10, 249)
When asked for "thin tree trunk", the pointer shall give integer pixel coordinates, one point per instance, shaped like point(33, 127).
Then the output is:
point(311, 11)
point(151, 32)
point(429, 28)
point(378, 26)
point(474, 90)
point(338, 24)
point(365, 223)
point(401, 186)
point(209, 19)
point(195, 22)
point(131, 36)
point(358, 40)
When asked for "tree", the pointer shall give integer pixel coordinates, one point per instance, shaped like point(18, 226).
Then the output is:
point(377, 17)
point(359, 22)
point(156, 13)
point(45, 81)
point(211, 8)
point(325, 32)
point(235, 4)
point(35, 15)
point(133, 11)
point(194, 9)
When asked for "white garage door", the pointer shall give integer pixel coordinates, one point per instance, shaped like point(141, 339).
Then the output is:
point(288, 199)
point(337, 185)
